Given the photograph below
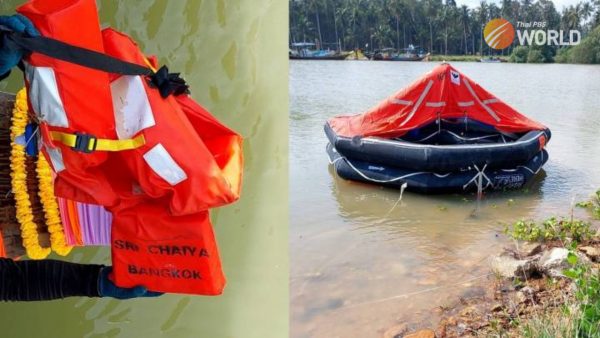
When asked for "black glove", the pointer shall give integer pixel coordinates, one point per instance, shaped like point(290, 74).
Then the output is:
point(10, 53)
point(106, 288)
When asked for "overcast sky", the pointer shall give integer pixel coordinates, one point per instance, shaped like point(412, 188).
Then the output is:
point(559, 4)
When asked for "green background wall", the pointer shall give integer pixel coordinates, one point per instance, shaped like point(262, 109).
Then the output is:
point(233, 53)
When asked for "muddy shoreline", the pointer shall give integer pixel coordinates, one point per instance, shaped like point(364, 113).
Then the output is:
point(526, 287)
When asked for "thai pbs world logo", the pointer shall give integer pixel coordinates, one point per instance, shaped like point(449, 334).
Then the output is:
point(499, 34)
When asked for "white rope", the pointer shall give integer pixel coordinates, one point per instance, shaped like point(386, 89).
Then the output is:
point(453, 134)
point(358, 171)
point(427, 138)
point(469, 138)
point(452, 146)
point(332, 161)
point(478, 179)
point(526, 167)
point(381, 181)
point(402, 187)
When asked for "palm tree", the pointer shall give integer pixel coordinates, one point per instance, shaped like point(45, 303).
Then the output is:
point(314, 6)
point(482, 14)
point(351, 10)
point(341, 13)
point(586, 11)
point(494, 13)
point(382, 35)
point(596, 21)
point(396, 11)
point(447, 16)
point(431, 10)
point(333, 5)
point(572, 17)
point(506, 10)
point(305, 26)
point(464, 21)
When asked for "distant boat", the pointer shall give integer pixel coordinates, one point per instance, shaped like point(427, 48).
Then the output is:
point(341, 56)
point(307, 51)
point(491, 60)
point(390, 54)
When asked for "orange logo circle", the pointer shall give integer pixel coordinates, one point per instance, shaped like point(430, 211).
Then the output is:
point(499, 33)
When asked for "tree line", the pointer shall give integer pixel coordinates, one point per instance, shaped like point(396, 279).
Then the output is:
point(436, 26)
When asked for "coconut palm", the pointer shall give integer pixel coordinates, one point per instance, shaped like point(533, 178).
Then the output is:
point(432, 9)
point(314, 6)
point(482, 13)
point(396, 11)
point(464, 20)
point(572, 17)
point(586, 12)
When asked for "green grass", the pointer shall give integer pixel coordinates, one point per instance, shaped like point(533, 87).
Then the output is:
point(551, 229)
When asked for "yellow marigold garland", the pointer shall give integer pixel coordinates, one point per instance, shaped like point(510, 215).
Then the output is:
point(18, 174)
point(50, 205)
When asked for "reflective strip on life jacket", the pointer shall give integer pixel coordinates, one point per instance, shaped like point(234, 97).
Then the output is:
point(44, 96)
point(131, 106)
point(56, 158)
point(159, 159)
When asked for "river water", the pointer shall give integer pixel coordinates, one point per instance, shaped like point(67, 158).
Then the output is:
point(359, 265)
point(233, 55)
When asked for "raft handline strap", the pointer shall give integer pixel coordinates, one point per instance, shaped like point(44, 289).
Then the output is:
point(80, 56)
point(70, 140)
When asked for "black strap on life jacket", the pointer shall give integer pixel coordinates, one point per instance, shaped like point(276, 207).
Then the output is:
point(166, 83)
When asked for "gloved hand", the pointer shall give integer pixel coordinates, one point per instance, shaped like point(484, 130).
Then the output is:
point(107, 288)
point(10, 53)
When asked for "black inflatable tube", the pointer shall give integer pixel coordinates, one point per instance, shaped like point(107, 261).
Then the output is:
point(434, 183)
point(445, 158)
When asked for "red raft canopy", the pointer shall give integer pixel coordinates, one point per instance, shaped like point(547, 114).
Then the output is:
point(444, 92)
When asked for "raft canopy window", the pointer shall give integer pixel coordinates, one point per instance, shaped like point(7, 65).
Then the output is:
point(442, 123)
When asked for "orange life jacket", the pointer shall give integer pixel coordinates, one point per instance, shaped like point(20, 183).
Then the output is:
point(166, 253)
point(157, 162)
point(70, 98)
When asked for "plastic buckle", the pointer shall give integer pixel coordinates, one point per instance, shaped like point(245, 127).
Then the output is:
point(82, 142)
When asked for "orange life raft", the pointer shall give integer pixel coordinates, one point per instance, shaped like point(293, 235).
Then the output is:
point(155, 159)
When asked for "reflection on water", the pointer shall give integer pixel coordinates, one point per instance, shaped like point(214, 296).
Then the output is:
point(363, 261)
point(231, 53)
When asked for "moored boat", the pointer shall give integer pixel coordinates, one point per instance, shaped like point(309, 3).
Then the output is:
point(342, 56)
point(307, 51)
point(438, 134)
point(390, 54)
point(491, 60)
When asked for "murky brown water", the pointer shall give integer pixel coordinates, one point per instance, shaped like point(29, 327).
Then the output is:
point(360, 266)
